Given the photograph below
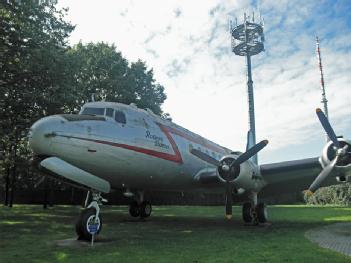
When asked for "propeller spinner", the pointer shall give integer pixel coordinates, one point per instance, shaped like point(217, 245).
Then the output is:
point(228, 169)
point(340, 153)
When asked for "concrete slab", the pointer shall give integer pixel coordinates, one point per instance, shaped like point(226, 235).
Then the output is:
point(336, 237)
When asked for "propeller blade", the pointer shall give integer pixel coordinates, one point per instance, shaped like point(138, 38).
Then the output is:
point(228, 201)
point(323, 175)
point(205, 157)
point(249, 153)
point(327, 127)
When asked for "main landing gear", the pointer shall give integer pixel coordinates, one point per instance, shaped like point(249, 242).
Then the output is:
point(141, 210)
point(253, 212)
point(90, 218)
point(139, 207)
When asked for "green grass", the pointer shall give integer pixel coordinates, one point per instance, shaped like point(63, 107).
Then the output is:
point(171, 234)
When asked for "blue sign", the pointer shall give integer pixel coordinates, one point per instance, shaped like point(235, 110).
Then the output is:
point(93, 228)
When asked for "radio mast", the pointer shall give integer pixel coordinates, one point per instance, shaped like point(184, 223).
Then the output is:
point(247, 40)
point(324, 100)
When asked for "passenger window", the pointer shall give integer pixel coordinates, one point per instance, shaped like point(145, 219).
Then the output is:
point(120, 117)
point(109, 112)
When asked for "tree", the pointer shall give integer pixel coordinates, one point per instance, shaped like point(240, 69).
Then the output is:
point(100, 70)
point(32, 71)
point(40, 75)
point(148, 94)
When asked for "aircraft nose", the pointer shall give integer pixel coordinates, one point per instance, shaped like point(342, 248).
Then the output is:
point(41, 132)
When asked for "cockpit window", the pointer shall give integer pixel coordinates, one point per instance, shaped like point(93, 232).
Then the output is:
point(93, 111)
point(120, 117)
point(109, 112)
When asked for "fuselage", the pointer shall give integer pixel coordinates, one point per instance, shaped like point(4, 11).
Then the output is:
point(131, 148)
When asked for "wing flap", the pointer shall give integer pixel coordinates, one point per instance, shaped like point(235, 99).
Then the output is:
point(75, 174)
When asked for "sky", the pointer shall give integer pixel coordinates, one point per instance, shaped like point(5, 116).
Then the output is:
point(188, 46)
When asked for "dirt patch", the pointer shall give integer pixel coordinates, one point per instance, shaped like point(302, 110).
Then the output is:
point(73, 242)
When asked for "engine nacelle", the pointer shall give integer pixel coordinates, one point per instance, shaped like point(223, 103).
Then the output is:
point(329, 153)
point(245, 176)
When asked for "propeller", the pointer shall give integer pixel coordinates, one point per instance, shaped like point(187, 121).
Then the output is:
point(249, 153)
point(340, 152)
point(327, 127)
point(228, 169)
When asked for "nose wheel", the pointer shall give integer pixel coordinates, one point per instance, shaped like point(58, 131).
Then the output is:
point(89, 222)
point(85, 222)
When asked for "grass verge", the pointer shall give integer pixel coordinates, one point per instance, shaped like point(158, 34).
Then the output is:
point(171, 234)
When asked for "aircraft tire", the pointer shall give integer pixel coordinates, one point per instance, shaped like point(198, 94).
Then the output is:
point(247, 212)
point(86, 216)
point(262, 214)
point(145, 209)
point(134, 209)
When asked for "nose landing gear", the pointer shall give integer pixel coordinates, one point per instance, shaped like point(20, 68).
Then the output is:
point(90, 220)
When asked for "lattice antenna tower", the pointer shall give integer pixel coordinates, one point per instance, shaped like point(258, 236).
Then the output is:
point(247, 40)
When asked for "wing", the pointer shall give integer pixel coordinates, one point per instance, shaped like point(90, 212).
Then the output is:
point(292, 176)
point(58, 167)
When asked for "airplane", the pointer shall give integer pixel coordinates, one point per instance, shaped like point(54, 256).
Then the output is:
point(110, 146)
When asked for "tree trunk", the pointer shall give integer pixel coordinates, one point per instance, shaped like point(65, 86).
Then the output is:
point(14, 168)
point(13, 184)
point(51, 192)
point(45, 201)
point(72, 196)
point(7, 186)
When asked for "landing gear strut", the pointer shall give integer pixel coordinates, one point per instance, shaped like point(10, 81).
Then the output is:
point(254, 212)
point(90, 216)
point(140, 208)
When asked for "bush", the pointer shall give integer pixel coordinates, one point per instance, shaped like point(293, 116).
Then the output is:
point(331, 195)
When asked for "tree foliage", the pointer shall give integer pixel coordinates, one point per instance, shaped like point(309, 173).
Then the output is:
point(32, 72)
point(41, 75)
point(101, 70)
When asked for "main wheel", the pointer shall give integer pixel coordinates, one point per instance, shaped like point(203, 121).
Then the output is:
point(247, 212)
point(262, 214)
point(84, 222)
point(145, 209)
point(134, 209)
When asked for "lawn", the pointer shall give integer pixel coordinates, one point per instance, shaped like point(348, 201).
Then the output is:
point(171, 234)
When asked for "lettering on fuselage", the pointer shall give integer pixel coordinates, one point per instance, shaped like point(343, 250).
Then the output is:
point(158, 141)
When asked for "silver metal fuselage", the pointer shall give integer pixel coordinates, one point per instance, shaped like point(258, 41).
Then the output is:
point(147, 152)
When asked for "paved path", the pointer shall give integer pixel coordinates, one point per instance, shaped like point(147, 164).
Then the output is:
point(336, 237)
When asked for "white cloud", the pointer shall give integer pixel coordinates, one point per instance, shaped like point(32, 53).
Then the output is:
point(187, 43)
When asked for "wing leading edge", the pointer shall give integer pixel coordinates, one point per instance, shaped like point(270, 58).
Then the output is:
point(74, 174)
point(291, 176)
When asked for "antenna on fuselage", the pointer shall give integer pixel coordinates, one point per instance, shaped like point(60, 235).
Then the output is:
point(247, 40)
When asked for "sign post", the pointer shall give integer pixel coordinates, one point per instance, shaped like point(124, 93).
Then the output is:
point(92, 229)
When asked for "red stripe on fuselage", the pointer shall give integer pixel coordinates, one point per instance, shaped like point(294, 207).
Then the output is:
point(166, 156)
point(176, 157)
point(197, 140)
